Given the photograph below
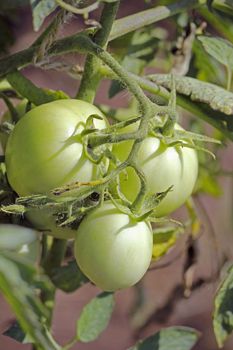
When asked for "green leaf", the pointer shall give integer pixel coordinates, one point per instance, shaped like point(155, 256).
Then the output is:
point(95, 317)
point(216, 97)
point(15, 332)
point(220, 49)
point(40, 10)
point(17, 277)
point(223, 309)
point(13, 237)
point(173, 338)
point(138, 20)
point(61, 277)
point(208, 69)
point(163, 239)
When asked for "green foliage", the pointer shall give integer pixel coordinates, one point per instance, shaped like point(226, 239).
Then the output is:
point(220, 49)
point(40, 10)
point(223, 309)
point(212, 95)
point(95, 317)
point(17, 279)
point(173, 338)
point(164, 238)
point(137, 46)
point(61, 277)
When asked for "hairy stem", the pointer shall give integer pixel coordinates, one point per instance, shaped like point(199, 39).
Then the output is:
point(91, 76)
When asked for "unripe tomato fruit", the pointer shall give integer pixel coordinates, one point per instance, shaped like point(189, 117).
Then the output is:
point(44, 151)
point(163, 167)
point(113, 250)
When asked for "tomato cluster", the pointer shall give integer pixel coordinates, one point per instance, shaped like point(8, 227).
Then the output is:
point(45, 151)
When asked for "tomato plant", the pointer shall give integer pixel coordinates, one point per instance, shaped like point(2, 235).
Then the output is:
point(164, 166)
point(108, 246)
point(101, 176)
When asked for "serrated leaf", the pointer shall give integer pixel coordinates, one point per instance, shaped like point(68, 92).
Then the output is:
point(216, 97)
point(95, 317)
point(17, 277)
point(223, 309)
point(61, 277)
point(173, 338)
point(220, 49)
point(40, 10)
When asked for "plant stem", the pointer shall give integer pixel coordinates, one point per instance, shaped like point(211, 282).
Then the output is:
point(53, 260)
point(78, 11)
point(91, 76)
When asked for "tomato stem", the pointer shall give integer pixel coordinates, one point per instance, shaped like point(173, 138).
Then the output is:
point(91, 75)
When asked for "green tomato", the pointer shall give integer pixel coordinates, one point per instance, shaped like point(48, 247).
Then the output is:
point(20, 239)
point(44, 151)
point(163, 167)
point(21, 110)
point(113, 250)
point(44, 221)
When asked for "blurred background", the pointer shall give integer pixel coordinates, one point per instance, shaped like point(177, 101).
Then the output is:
point(160, 299)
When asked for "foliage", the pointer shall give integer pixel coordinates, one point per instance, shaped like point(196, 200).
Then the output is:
point(179, 63)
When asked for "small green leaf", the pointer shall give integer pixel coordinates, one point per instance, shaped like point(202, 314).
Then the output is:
point(163, 239)
point(95, 317)
point(223, 309)
point(61, 277)
point(18, 279)
point(220, 49)
point(173, 338)
point(40, 10)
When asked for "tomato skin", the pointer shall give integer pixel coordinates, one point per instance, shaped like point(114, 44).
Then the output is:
point(44, 221)
point(43, 150)
point(163, 167)
point(112, 249)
